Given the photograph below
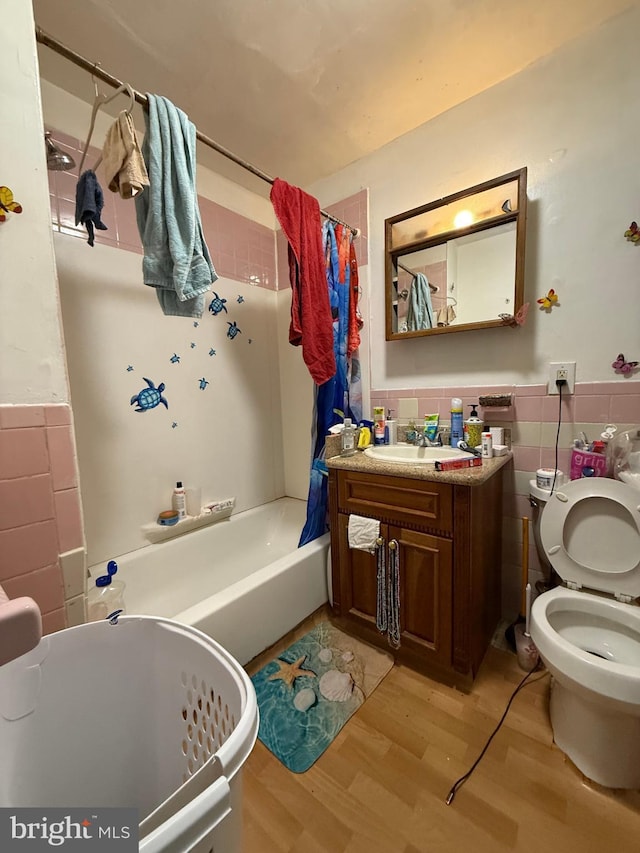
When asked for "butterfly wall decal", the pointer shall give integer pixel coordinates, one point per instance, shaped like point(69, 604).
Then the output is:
point(7, 203)
point(519, 319)
point(547, 302)
point(633, 233)
point(621, 365)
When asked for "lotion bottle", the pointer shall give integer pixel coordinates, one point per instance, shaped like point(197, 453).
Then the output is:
point(473, 428)
point(179, 500)
point(348, 438)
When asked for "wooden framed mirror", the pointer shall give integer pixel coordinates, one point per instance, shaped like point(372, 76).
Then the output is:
point(457, 263)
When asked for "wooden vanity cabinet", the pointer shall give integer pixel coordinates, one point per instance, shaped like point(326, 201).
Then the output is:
point(448, 546)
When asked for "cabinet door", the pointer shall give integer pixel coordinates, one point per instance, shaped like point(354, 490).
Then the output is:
point(358, 578)
point(425, 572)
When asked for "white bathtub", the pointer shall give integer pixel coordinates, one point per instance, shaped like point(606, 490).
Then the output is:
point(243, 581)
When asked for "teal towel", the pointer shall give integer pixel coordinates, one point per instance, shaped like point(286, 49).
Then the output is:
point(176, 259)
point(420, 310)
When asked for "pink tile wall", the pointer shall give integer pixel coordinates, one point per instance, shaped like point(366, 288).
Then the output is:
point(352, 210)
point(40, 503)
point(532, 412)
point(240, 248)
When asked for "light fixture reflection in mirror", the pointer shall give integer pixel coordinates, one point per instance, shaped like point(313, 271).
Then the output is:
point(463, 219)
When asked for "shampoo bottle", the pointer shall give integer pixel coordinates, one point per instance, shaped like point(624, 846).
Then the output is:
point(378, 424)
point(457, 433)
point(179, 500)
point(473, 428)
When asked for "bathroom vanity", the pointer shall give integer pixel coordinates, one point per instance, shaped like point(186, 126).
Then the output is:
point(445, 530)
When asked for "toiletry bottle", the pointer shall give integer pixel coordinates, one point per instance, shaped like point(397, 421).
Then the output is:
point(473, 428)
point(106, 596)
point(487, 445)
point(410, 434)
point(348, 438)
point(378, 424)
point(457, 433)
point(179, 500)
point(391, 429)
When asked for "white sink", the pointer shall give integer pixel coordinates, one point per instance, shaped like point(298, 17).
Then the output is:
point(408, 454)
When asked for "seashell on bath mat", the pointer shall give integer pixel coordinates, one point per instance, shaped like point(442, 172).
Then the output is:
point(308, 692)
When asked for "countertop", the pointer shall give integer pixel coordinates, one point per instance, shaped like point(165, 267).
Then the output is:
point(460, 477)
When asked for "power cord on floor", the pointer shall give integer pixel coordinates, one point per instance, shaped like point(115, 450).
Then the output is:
point(460, 782)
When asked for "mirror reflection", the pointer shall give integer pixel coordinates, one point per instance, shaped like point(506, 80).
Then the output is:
point(457, 263)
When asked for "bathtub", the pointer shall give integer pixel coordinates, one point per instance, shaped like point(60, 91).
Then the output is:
point(243, 581)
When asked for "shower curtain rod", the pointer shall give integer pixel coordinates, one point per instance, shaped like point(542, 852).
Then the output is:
point(95, 69)
point(411, 272)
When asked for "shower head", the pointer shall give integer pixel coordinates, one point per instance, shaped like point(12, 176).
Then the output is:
point(57, 160)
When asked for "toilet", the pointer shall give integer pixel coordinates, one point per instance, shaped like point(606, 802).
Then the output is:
point(588, 630)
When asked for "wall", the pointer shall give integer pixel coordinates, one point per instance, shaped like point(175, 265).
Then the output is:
point(221, 428)
point(32, 367)
point(41, 541)
point(569, 119)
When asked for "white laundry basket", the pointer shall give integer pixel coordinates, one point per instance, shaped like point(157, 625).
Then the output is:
point(145, 713)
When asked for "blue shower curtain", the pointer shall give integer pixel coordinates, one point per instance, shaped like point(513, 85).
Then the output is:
point(338, 398)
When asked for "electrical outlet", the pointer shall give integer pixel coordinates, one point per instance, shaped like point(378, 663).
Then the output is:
point(562, 370)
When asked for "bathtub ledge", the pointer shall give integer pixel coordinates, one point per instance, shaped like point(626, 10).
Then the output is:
point(158, 533)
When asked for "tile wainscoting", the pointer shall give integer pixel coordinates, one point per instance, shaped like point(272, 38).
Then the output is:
point(41, 535)
point(533, 421)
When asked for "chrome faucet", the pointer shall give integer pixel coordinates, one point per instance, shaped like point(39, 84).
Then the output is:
point(423, 441)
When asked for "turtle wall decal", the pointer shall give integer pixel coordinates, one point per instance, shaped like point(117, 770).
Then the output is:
point(149, 397)
point(217, 304)
point(233, 330)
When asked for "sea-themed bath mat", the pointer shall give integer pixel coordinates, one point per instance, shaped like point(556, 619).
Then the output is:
point(308, 692)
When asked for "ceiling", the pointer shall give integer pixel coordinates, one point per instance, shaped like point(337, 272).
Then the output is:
point(302, 88)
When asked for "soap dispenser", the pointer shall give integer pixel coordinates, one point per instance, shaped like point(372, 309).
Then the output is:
point(473, 428)
point(390, 429)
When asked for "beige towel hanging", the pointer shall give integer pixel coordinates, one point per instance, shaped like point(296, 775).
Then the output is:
point(124, 168)
point(446, 315)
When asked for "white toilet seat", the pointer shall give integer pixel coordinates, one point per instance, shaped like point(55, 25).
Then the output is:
point(590, 531)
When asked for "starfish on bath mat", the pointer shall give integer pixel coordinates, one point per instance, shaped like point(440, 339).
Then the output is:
point(290, 671)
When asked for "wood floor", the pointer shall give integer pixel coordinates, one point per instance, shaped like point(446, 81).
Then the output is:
point(381, 785)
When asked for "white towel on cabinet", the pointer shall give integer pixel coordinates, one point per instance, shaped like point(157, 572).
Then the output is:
point(363, 533)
